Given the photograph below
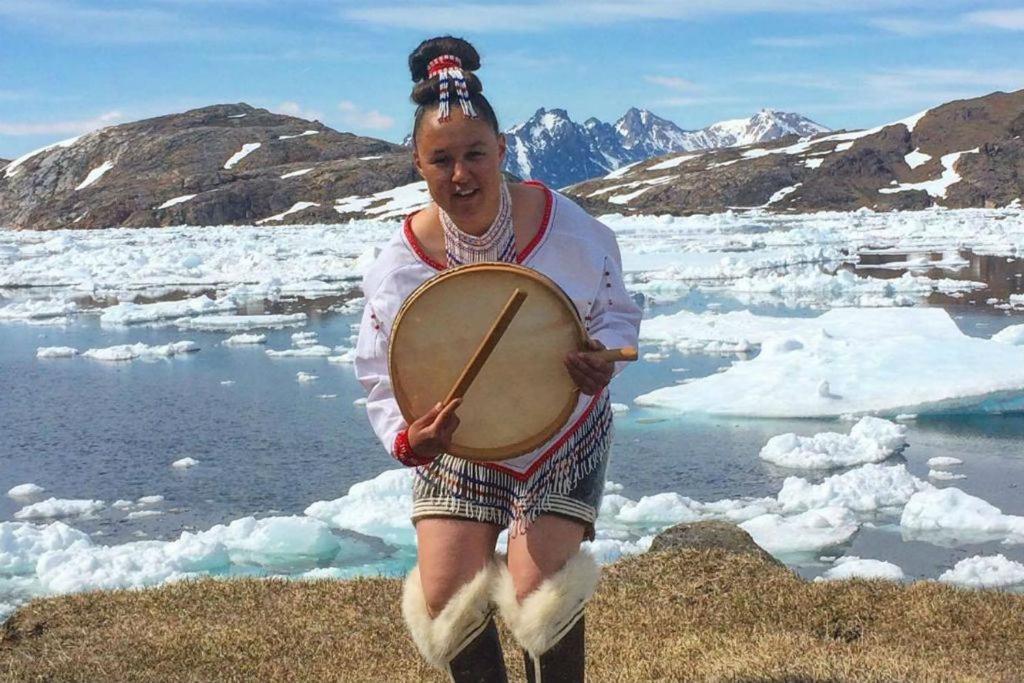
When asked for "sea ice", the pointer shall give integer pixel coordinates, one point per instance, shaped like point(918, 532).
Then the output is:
point(866, 356)
point(943, 475)
point(806, 532)
point(59, 507)
point(124, 352)
point(378, 507)
point(1014, 335)
point(38, 310)
point(185, 462)
point(994, 571)
point(25, 490)
point(56, 352)
point(944, 461)
point(150, 500)
point(951, 513)
point(241, 322)
point(127, 313)
point(871, 440)
point(22, 543)
point(306, 377)
point(853, 567)
point(316, 351)
point(868, 489)
point(243, 339)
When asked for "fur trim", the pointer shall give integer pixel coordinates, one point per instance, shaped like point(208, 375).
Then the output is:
point(543, 617)
point(440, 639)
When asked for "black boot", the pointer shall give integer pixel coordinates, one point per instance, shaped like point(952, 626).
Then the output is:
point(548, 623)
point(563, 663)
point(481, 660)
point(462, 640)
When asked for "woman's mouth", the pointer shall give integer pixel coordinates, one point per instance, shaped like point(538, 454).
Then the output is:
point(465, 194)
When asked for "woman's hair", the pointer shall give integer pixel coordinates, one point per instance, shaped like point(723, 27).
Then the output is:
point(426, 93)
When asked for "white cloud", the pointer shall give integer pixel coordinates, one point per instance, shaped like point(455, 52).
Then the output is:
point(295, 109)
point(67, 127)
point(798, 42)
point(914, 27)
point(672, 83)
point(359, 118)
point(1011, 19)
point(539, 16)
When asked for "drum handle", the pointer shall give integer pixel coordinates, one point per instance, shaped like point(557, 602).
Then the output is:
point(487, 345)
point(625, 353)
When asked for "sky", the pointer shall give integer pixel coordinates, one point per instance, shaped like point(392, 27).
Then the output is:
point(70, 66)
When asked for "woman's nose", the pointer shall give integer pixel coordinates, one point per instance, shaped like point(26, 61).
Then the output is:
point(459, 173)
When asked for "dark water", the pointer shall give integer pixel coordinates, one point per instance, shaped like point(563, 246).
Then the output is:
point(267, 445)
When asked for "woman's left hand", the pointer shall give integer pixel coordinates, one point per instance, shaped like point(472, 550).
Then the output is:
point(590, 374)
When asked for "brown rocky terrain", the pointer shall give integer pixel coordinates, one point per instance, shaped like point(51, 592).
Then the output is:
point(910, 164)
point(171, 157)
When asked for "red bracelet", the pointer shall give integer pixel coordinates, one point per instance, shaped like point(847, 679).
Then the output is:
point(404, 452)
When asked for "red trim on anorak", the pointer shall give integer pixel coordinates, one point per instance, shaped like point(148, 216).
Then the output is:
point(417, 248)
point(523, 476)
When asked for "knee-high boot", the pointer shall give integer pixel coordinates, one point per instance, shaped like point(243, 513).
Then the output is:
point(548, 623)
point(462, 640)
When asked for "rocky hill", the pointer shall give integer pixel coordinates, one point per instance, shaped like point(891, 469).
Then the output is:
point(966, 153)
point(223, 164)
point(553, 148)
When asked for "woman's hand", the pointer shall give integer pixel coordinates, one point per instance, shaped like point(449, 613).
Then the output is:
point(431, 435)
point(590, 374)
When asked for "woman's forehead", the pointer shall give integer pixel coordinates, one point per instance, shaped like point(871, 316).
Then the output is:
point(449, 137)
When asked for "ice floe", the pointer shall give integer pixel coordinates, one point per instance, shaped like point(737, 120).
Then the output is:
point(56, 352)
point(869, 488)
point(127, 313)
point(245, 339)
point(949, 513)
point(305, 377)
point(872, 439)
point(315, 351)
point(1013, 335)
point(941, 461)
point(867, 357)
point(60, 507)
point(241, 322)
point(25, 490)
point(126, 352)
point(805, 532)
point(185, 462)
point(853, 567)
point(995, 571)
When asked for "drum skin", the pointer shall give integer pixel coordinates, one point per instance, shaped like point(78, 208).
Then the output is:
point(523, 394)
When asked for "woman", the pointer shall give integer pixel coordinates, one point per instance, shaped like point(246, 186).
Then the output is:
point(548, 498)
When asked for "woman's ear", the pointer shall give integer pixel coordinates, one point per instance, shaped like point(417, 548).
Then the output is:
point(502, 146)
point(416, 161)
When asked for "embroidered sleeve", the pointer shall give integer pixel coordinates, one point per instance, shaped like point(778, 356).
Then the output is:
point(371, 367)
point(615, 317)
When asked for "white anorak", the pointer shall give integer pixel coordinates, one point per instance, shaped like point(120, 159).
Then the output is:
point(572, 248)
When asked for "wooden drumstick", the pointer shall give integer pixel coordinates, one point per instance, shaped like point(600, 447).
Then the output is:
point(483, 352)
point(626, 353)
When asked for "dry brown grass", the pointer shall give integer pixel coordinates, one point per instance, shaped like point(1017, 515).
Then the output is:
point(677, 615)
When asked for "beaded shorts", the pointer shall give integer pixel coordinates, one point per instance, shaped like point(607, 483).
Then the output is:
point(581, 502)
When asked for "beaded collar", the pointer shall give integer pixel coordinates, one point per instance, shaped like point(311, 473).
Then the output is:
point(497, 243)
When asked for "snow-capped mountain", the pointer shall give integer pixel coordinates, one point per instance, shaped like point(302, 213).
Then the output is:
point(553, 148)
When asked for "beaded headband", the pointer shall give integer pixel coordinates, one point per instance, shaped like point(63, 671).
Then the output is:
point(449, 68)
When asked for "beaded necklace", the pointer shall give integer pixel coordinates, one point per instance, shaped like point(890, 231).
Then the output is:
point(498, 243)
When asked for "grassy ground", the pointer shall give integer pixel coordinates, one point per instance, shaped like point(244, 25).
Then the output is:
point(673, 615)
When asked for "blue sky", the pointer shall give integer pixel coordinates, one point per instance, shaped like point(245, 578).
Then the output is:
point(68, 66)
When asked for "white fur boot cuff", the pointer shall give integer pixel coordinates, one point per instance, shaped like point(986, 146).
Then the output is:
point(547, 613)
point(440, 638)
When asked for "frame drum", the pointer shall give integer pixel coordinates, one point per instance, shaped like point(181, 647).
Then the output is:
point(523, 394)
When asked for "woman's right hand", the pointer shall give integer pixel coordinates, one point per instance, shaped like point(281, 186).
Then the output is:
point(431, 434)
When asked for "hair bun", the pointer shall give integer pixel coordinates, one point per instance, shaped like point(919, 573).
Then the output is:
point(426, 90)
point(442, 45)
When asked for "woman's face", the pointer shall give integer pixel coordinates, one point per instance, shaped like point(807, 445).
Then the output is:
point(461, 161)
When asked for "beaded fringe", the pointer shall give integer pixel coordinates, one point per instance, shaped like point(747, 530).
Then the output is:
point(486, 494)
